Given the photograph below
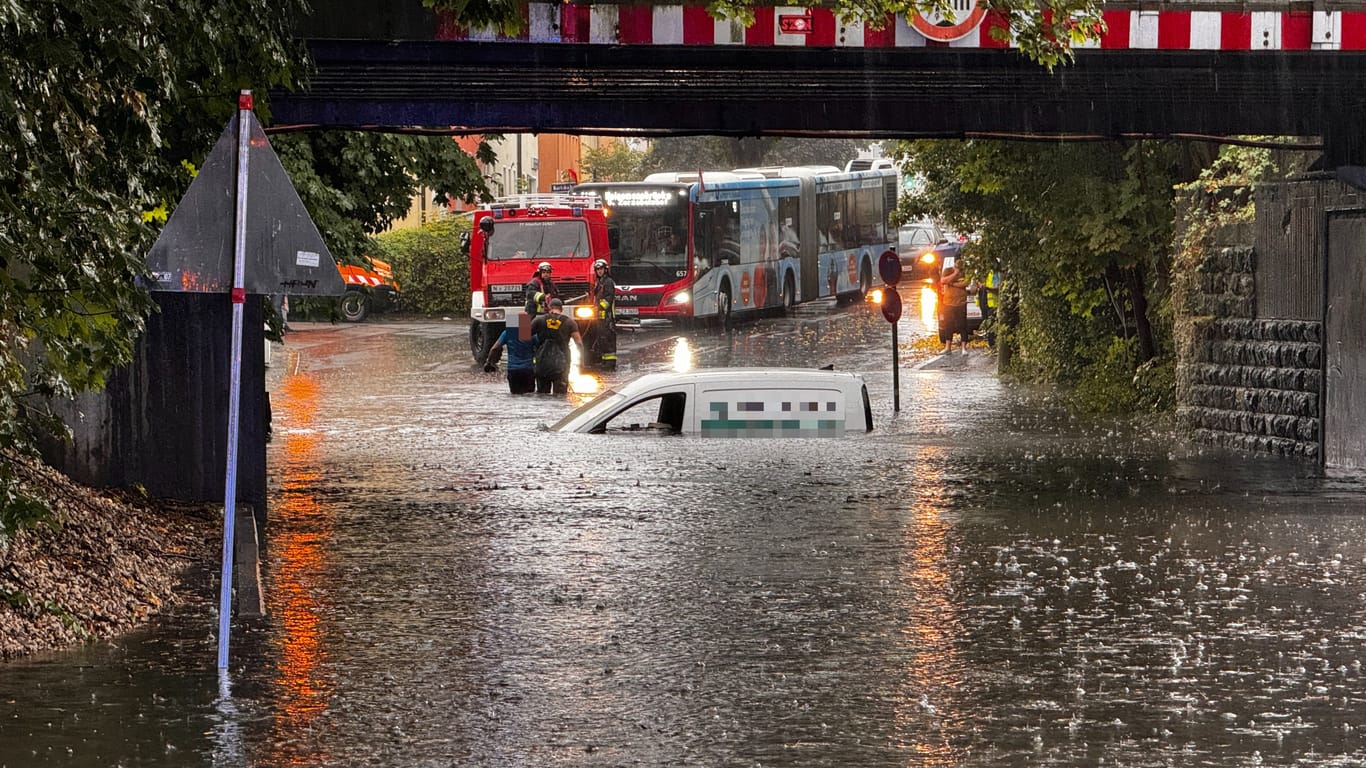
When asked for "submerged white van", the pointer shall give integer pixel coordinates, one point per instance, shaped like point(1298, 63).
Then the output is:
point(730, 402)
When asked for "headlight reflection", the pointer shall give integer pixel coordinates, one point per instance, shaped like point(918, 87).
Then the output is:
point(683, 355)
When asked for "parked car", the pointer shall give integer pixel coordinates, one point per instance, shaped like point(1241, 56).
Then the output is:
point(730, 402)
point(924, 247)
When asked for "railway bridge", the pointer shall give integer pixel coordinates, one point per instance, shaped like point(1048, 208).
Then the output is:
point(1192, 68)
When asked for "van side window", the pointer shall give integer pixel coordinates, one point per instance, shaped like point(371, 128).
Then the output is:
point(656, 414)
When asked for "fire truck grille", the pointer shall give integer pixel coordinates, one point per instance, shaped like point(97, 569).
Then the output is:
point(572, 289)
point(504, 296)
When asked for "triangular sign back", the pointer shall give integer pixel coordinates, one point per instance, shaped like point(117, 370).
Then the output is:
point(284, 252)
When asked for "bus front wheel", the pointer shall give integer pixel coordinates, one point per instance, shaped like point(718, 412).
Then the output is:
point(724, 310)
point(789, 293)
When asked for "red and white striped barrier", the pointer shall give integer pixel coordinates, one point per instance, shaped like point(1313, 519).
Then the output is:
point(1127, 29)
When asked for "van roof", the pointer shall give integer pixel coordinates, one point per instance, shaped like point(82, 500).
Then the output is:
point(750, 377)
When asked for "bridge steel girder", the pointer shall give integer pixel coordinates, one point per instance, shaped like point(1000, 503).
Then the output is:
point(877, 93)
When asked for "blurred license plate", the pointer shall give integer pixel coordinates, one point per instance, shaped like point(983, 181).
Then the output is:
point(627, 311)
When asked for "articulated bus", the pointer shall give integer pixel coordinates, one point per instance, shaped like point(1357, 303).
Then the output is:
point(734, 242)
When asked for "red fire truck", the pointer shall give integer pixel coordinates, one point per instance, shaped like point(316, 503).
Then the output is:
point(509, 238)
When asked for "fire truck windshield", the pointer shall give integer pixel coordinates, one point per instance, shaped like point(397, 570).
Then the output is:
point(531, 239)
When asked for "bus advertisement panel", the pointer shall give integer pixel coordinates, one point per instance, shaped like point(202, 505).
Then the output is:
point(746, 240)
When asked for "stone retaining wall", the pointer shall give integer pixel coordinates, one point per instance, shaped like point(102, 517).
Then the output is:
point(1244, 383)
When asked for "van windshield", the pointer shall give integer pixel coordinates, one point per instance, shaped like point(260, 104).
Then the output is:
point(603, 398)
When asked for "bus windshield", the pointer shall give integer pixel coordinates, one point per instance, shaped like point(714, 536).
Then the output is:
point(649, 245)
point(518, 239)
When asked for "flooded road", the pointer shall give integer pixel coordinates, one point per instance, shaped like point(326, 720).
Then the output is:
point(982, 580)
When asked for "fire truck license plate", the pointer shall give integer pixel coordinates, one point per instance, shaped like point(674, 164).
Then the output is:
point(627, 311)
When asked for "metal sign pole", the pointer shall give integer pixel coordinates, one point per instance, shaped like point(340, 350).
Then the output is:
point(889, 267)
point(239, 298)
point(896, 372)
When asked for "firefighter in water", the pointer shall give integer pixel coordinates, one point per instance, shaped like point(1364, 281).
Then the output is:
point(540, 290)
point(600, 337)
point(553, 333)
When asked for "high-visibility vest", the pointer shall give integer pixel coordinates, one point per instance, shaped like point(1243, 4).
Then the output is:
point(994, 283)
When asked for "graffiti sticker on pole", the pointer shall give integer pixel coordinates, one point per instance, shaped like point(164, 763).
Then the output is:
point(967, 16)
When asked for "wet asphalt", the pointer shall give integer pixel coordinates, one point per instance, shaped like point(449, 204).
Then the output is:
point(984, 579)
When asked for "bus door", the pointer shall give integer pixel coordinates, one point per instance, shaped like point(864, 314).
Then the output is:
point(809, 253)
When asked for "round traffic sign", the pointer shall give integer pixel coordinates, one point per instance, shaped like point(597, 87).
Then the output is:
point(889, 267)
point(937, 26)
point(891, 304)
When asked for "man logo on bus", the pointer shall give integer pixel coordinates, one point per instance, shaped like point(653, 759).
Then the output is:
point(967, 16)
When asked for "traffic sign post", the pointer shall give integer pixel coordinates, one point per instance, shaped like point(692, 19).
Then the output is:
point(889, 267)
point(240, 229)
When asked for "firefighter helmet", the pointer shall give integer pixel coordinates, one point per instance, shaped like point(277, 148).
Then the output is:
point(600, 263)
point(543, 267)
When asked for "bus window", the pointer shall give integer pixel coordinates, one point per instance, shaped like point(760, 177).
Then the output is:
point(868, 213)
point(719, 239)
point(825, 220)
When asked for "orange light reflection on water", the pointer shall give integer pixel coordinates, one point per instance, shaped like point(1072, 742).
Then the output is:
point(927, 715)
point(301, 531)
point(929, 301)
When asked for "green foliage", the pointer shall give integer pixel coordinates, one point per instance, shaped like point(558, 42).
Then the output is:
point(430, 266)
point(713, 153)
point(100, 103)
point(1083, 232)
point(19, 509)
point(614, 162)
point(1045, 31)
point(1222, 191)
point(356, 184)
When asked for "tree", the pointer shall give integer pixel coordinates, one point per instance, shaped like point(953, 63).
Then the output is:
point(1044, 31)
point(108, 107)
point(355, 184)
point(613, 162)
point(1083, 232)
point(688, 153)
point(101, 99)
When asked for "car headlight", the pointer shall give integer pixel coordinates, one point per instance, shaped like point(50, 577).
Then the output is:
point(583, 313)
point(682, 297)
point(494, 314)
point(927, 257)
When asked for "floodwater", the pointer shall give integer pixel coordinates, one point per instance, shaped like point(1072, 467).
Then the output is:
point(982, 580)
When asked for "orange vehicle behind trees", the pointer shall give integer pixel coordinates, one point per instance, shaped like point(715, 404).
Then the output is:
point(370, 285)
